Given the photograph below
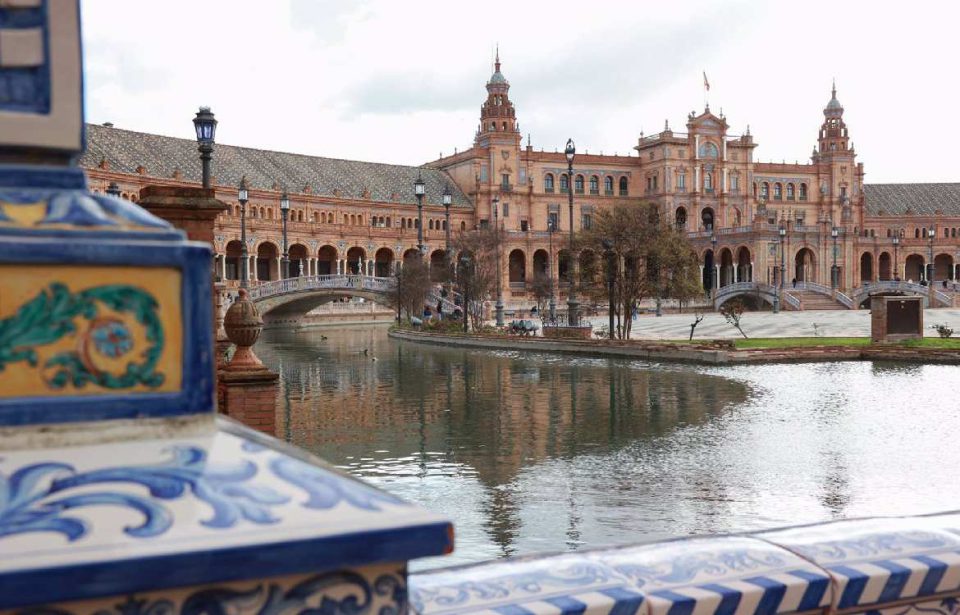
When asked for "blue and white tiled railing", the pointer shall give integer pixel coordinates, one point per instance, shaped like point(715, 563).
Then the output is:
point(899, 566)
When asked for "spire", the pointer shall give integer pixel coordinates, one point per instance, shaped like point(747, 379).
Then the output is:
point(833, 91)
point(496, 62)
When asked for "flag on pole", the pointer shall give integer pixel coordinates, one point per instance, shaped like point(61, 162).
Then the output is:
point(706, 84)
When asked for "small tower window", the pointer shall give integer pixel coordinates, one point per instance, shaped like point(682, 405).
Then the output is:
point(608, 185)
point(764, 190)
point(778, 191)
point(564, 183)
point(578, 184)
point(790, 192)
point(548, 182)
point(803, 192)
point(623, 186)
point(594, 185)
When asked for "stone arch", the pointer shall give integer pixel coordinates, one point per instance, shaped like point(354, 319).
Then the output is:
point(563, 266)
point(268, 265)
point(707, 218)
point(298, 260)
point(726, 267)
point(866, 267)
point(383, 262)
point(410, 254)
point(885, 267)
point(326, 260)
point(744, 265)
point(708, 268)
point(517, 267)
point(913, 266)
point(680, 218)
point(438, 265)
point(589, 268)
point(233, 252)
point(942, 267)
point(356, 261)
point(541, 263)
point(805, 265)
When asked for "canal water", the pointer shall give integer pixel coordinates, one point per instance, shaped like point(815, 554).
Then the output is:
point(531, 453)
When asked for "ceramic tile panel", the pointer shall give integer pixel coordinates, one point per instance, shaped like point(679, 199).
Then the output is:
point(544, 585)
point(132, 516)
point(878, 561)
point(374, 589)
point(720, 576)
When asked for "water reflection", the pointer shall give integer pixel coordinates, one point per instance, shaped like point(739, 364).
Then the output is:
point(531, 453)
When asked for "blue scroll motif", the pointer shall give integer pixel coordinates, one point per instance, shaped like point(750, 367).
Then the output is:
point(332, 593)
point(326, 489)
point(37, 498)
point(81, 208)
point(683, 568)
point(520, 584)
point(874, 544)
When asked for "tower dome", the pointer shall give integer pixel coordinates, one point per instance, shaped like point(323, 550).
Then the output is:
point(833, 109)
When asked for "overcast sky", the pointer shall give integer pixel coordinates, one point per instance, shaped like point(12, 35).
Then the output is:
point(402, 80)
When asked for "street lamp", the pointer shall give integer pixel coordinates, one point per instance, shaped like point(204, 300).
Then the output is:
point(464, 272)
point(418, 191)
point(573, 306)
point(285, 213)
point(496, 228)
point(206, 126)
point(896, 261)
point(930, 236)
point(783, 257)
point(608, 247)
point(114, 189)
point(447, 202)
point(242, 196)
point(834, 272)
point(553, 299)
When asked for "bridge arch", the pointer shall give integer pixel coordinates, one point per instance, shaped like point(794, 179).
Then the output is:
point(383, 262)
point(866, 267)
point(744, 265)
point(268, 261)
point(885, 267)
point(299, 265)
point(726, 267)
point(913, 267)
point(233, 251)
point(326, 260)
point(356, 261)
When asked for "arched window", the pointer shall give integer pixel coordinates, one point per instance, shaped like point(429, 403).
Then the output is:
point(708, 150)
point(594, 184)
point(888, 232)
point(778, 191)
point(270, 213)
point(790, 192)
point(578, 184)
point(803, 192)
point(403, 223)
point(708, 182)
point(493, 126)
point(463, 225)
point(681, 218)
point(504, 126)
point(916, 233)
point(953, 233)
point(564, 183)
point(623, 186)
point(764, 190)
point(548, 182)
point(608, 185)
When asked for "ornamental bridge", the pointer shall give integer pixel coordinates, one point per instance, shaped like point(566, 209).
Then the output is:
point(811, 296)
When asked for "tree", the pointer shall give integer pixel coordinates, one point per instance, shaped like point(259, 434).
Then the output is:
point(540, 288)
point(478, 279)
point(697, 317)
point(732, 311)
point(651, 259)
point(413, 285)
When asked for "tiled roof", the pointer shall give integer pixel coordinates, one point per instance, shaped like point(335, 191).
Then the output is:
point(125, 150)
point(920, 199)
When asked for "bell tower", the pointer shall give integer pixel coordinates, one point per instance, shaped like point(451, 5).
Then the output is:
point(498, 118)
point(840, 176)
point(833, 131)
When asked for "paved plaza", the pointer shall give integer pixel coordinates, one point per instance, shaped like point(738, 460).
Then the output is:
point(829, 323)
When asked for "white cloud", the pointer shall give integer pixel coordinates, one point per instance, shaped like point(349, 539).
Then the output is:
point(402, 81)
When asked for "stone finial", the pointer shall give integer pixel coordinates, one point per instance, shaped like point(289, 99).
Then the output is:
point(243, 325)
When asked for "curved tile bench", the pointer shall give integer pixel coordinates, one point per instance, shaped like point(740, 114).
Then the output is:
point(891, 566)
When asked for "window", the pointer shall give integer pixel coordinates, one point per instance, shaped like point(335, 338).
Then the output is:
point(484, 224)
point(586, 221)
point(608, 185)
point(506, 210)
point(623, 186)
point(594, 185)
point(916, 233)
point(654, 182)
point(734, 183)
point(681, 218)
point(778, 191)
point(548, 182)
point(578, 184)
point(505, 180)
point(483, 173)
point(708, 150)
point(649, 184)
point(524, 226)
point(708, 182)
point(790, 192)
point(803, 192)
point(682, 182)
point(553, 221)
point(764, 190)
point(564, 183)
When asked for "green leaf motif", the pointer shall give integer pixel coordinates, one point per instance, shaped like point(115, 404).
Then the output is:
point(52, 314)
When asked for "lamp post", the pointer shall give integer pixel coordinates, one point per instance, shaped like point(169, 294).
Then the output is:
point(114, 189)
point(496, 228)
point(464, 272)
point(206, 126)
point(244, 257)
point(447, 202)
point(418, 191)
point(896, 261)
point(783, 254)
point(553, 299)
point(608, 247)
point(285, 213)
point(834, 272)
point(930, 270)
point(573, 306)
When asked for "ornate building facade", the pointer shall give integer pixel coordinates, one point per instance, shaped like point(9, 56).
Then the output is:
point(815, 223)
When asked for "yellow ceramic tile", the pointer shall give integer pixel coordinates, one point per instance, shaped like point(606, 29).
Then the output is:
point(76, 330)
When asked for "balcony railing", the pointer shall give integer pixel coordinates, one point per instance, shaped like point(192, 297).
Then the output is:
point(506, 187)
